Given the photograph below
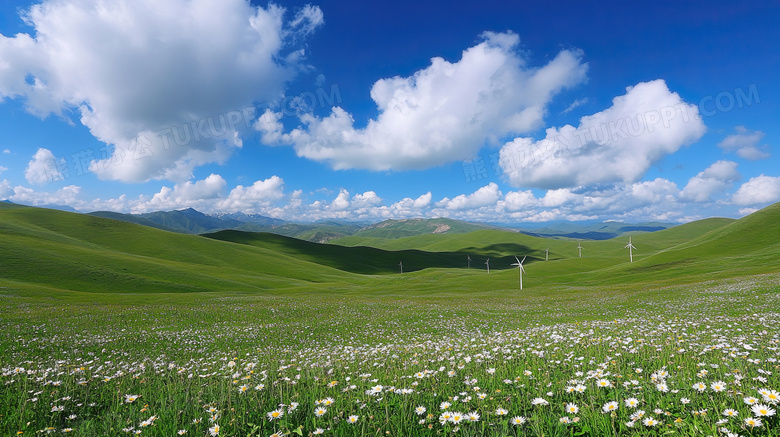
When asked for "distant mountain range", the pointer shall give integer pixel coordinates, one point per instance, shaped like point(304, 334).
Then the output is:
point(191, 221)
point(595, 231)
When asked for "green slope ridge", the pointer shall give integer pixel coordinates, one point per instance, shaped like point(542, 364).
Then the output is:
point(365, 260)
point(80, 252)
point(55, 250)
point(392, 229)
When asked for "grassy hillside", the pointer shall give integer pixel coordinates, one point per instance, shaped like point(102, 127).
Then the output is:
point(130, 218)
point(391, 229)
point(316, 232)
point(65, 251)
point(365, 260)
point(81, 252)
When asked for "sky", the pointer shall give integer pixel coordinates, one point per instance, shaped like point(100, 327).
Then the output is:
point(507, 112)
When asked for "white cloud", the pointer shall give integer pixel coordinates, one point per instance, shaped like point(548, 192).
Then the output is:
point(716, 179)
point(745, 142)
point(639, 201)
point(422, 201)
point(618, 144)
point(341, 202)
point(485, 196)
point(258, 195)
point(308, 19)
point(44, 167)
point(5, 189)
point(185, 195)
point(758, 190)
point(519, 200)
point(64, 196)
point(206, 195)
point(442, 113)
point(6, 151)
point(651, 192)
point(165, 82)
point(2, 169)
point(367, 199)
point(555, 198)
point(575, 104)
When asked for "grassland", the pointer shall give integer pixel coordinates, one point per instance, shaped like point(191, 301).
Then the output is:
point(109, 328)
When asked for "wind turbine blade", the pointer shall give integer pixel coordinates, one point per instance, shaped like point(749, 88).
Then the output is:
point(521, 262)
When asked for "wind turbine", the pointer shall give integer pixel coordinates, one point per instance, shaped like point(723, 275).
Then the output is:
point(547, 254)
point(487, 263)
point(402, 266)
point(579, 248)
point(468, 260)
point(630, 248)
point(520, 269)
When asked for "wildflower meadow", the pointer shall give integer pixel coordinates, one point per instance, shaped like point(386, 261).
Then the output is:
point(692, 360)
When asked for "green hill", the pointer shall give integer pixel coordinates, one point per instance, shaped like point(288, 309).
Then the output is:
point(409, 227)
point(365, 260)
point(130, 218)
point(65, 251)
point(316, 232)
point(81, 252)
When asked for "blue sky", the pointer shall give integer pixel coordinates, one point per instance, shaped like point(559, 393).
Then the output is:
point(509, 112)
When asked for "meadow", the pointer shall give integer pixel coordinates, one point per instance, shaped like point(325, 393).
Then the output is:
point(108, 334)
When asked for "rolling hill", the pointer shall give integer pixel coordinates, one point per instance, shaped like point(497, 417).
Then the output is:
point(364, 260)
point(80, 252)
point(62, 251)
point(391, 229)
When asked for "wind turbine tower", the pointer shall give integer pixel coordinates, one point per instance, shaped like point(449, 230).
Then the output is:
point(630, 248)
point(468, 261)
point(402, 266)
point(487, 263)
point(520, 269)
point(547, 254)
point(579, 248)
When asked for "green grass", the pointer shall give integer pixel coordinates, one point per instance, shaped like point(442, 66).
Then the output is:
point(365, 260)
point(83, 253)
point(96, 310)
point(392, 229)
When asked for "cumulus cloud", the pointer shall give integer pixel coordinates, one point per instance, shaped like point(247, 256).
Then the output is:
point(341, 202)
point(206, 195)
point(716, 179)
point(187, 194)
point(618, 144)
point(485, 196)
point(68, 195)
point(164, 82)
point(44, 167)
point(518, 200)
point(408, 207)
point(745, 143)
point(440, 114)
point(758, 190)
point(656, 199)
point(558, 197)
point(259, 194)
point(5, 189)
